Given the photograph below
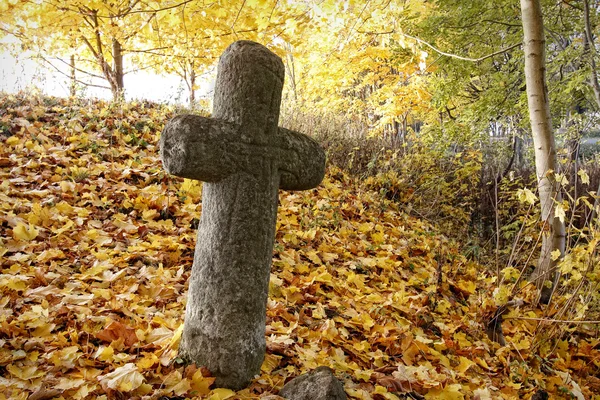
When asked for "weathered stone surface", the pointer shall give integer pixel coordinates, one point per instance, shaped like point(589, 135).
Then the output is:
point(244, 158)
point(222, 149)
point(319, 384)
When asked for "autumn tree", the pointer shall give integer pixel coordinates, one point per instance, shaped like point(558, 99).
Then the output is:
point(97, 34)
point(360, 65)
point(474, 67)
point(188, 40)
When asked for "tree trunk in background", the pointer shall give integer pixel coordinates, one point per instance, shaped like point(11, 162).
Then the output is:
point(117, 85)
point(73, 84)
point(191, 86)
point(545, 275)
point(291, 70)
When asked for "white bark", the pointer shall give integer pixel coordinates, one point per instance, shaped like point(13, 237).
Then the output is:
point(545, 274)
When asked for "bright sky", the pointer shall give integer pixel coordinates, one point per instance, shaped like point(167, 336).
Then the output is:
point(26, 74)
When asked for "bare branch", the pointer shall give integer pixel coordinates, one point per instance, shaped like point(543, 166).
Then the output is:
point(443, 53)
point(237, 16)
point(456, 55)
point(147, 50)
point(79, 69)
point(177, 56)
point(490, 21)
point(70, 77)
point(135, 32)
point(125, 13)
point(572, 5)
point(376, 33)
point(142, 68)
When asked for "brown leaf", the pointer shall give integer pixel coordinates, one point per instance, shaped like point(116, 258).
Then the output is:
point(116, 331)
point(39, 275)
point(44, 394)
point(390, 383)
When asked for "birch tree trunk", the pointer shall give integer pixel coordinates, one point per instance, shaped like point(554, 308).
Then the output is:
point(545, 276)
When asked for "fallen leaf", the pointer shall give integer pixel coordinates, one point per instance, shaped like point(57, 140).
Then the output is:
point(124, 379)
point(115, 331)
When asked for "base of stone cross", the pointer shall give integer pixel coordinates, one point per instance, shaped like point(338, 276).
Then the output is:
point(319, 384)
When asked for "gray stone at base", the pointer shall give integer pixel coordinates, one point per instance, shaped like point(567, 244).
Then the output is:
point(319, 384)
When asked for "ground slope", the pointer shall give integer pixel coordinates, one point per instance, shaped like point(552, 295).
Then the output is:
point(96, 246)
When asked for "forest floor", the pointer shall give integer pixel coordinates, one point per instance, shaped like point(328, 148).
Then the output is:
point(96, 247)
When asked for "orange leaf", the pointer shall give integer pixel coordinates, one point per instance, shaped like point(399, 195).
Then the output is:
point(116, 331)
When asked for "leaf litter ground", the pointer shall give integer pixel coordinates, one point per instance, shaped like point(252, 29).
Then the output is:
point(96, 247)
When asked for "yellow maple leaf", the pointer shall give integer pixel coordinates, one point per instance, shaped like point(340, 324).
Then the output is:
point(559, 212)
point(585, 179)
point(365, 227)
point(501, 295)
point(201, 384)
point(221, 394)
point(25, 232)
point(526, 196)
point(511, 274)
point(450, 392)
point(464, 365)
point(467, 286)
point(125, 378)
point(174, 344)
point(147, 361)
point(378, 237)
point(84, 391)
point(312, 256)
point(555, 255)
point(65, 357)
point(105, 353)
point(270, 363)
point(443, 306)
point(66, 383)
point(25, 373)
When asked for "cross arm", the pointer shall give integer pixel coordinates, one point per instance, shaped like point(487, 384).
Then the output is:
point(209, 150)
point(195, 147)
point(303, 161)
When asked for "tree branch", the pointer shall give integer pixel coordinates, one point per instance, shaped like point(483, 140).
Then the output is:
point(135, 32)
point(124, 14)
point(89, 45)
point(70, 77)
point(238, 15)
point(80, 70)
point(376, 33)
point(572, 5)
point(491, 21)
point(443, 53)
point(142, 68)
point(461, 57)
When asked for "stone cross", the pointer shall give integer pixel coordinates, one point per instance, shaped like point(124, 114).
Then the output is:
point(244, 158)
